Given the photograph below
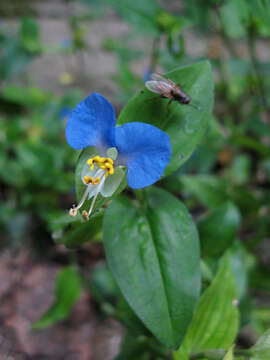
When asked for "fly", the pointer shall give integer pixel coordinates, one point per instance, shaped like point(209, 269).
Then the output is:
point(168, 89)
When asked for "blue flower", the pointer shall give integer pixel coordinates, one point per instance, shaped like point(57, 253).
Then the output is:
point(142, 149)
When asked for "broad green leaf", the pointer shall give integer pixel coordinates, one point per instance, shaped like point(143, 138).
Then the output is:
point(215, 322)
point(153, 253)
point(261, 350)
point(184, 124)
point(208, 189)
point(68, 290)
point(80, 186)
point(218, 229)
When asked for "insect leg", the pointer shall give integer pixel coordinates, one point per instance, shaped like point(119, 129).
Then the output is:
point(167, 107)
point(195, 107)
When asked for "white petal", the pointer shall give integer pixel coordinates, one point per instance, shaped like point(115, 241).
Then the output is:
point(112, 182)
point(96, 188)
point(87, 172)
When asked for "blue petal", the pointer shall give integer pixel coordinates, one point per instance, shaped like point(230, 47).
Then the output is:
point(91, 123)
point(145, 150)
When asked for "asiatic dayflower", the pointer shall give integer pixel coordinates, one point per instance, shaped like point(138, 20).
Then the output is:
point(141, 148)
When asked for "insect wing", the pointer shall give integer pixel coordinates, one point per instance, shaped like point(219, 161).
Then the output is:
point(159, 87)
point(159, 77)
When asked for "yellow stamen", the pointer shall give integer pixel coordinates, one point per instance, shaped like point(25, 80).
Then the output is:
point(109, 160)
point(96, 181)
point(90, 180)
point(110, 169)
point(96, 159)
point(102, 163)
point(86, 179)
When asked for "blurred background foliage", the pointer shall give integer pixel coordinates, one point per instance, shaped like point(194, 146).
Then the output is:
point(225, 183)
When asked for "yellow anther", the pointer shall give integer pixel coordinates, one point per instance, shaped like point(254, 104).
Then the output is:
point(96, 159)
point(86, 179)
point(85, 215)
point(73, 211)
point(110, 169)
point(91, 163)
point(102, 163)
point(109, 160)
point(90, 180)
point(96, 181)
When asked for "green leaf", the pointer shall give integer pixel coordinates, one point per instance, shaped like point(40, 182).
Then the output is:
point(218, 229)
point(241, 262)
point(240, 170)
point(215, 322)
point(105, 290)
point(140, 13)
point(14, 59)
point(29, 33)
point(153, 254)
point(26, 96)
point(259, 278)
point(68, 290)
point(245, 199)
point(80, 186)
point(208, 189)
point(184, 124)
point(141, 348)
point(84, 231)
point(233, 14)
point(229, 355)
point(102, 284)
point(261, 350)
point(260, 11)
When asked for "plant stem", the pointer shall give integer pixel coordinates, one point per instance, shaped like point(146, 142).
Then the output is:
point(140, 196)
point(255, 65)
point(224, 37)
point(154, 53)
